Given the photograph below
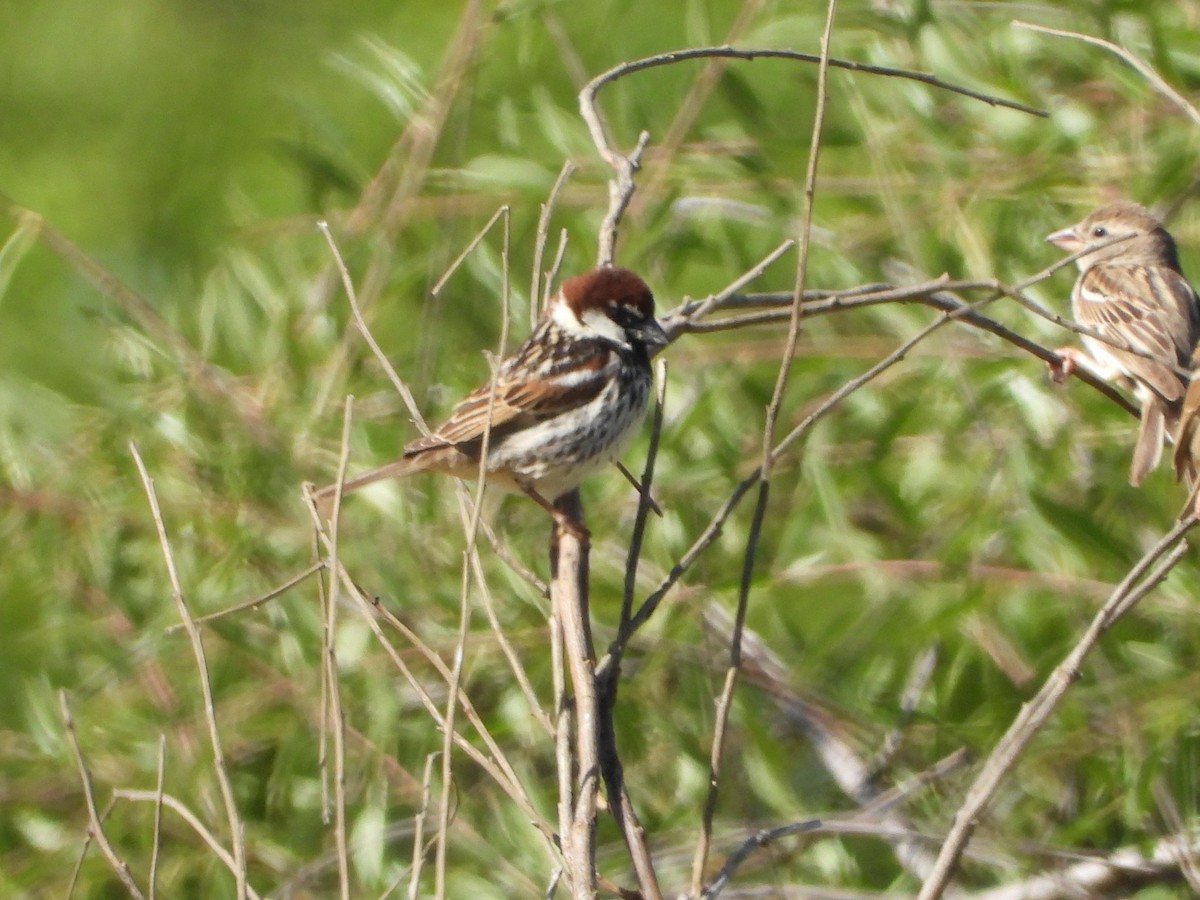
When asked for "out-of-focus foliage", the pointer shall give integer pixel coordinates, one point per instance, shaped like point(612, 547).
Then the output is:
point(961, 502)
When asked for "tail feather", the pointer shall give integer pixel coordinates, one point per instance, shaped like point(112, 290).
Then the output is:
point(407, 465)
point(1150, 440)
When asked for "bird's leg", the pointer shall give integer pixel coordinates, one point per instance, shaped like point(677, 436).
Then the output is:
point(564, 521)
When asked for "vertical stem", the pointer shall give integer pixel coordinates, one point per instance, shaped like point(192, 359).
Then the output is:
point(569, 600)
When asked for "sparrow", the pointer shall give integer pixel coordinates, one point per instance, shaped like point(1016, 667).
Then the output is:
point(1133, 291)
point(566, 403)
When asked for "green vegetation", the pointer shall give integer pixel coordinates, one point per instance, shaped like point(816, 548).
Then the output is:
point(960, 503)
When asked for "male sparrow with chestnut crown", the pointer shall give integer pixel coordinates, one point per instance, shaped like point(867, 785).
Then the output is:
point(1133, 292)
point(564, 404)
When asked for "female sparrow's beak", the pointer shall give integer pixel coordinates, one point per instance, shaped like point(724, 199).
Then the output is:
point(1065, 240)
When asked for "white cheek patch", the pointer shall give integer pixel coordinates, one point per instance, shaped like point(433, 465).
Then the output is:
point(566, 320)
point(598, 323)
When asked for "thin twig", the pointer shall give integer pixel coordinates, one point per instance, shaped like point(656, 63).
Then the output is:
point(495, 765)
point(95, 828)
point(1144, 69)
point(84, 847)
point(332, 711)
point(157, 834)
point(410, 403)
point(712, 531)
point(620, 803)
point(256, 602)
point(934, 294)
point(725, 699)
point(831, 742)
point(587, 97)
point(471, 524)
point(1146, 574)
point(759, 840)
point(414, 881)
point(210, 711)
point(645, 503)
point(176, 805)
point(620, 191)
point(539, 244)
point(502, 212)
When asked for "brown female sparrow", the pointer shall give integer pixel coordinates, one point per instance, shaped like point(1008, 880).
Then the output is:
point(566, 403)
point(1133, 292)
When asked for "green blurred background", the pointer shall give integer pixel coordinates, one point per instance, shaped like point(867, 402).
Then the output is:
point(960, 503)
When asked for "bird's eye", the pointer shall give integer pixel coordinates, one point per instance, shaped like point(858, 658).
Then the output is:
point(622, 315)
point(1099, 231)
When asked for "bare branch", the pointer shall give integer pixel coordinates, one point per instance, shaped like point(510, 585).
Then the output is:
point(569, 601)
point(1146, 574)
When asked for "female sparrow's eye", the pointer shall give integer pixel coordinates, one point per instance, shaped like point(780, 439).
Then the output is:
point(1099, 231)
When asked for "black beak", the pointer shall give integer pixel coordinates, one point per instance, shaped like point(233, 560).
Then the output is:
point(650, 333)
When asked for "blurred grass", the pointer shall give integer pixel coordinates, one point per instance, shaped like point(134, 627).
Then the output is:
point(959, 502)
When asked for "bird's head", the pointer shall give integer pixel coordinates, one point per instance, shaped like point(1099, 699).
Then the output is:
point(611, 303)
point(1146, 243)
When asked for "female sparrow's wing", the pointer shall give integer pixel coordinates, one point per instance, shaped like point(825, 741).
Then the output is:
point(1150, 308)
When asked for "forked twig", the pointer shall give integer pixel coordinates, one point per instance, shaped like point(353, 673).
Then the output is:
point(177, 806)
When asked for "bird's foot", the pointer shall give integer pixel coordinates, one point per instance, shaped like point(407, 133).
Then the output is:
point(1069, 359)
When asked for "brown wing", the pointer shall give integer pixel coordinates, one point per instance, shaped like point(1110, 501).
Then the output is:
point(1152, 308)
point(536, 384)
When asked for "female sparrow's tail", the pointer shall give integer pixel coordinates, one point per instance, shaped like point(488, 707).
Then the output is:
point(1150, 439)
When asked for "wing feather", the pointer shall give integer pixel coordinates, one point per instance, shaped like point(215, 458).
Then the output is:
point(520, 401)
point(1153, 309)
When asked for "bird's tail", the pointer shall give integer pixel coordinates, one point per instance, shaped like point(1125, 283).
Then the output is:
point(1151, 435)
point(406, 465)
